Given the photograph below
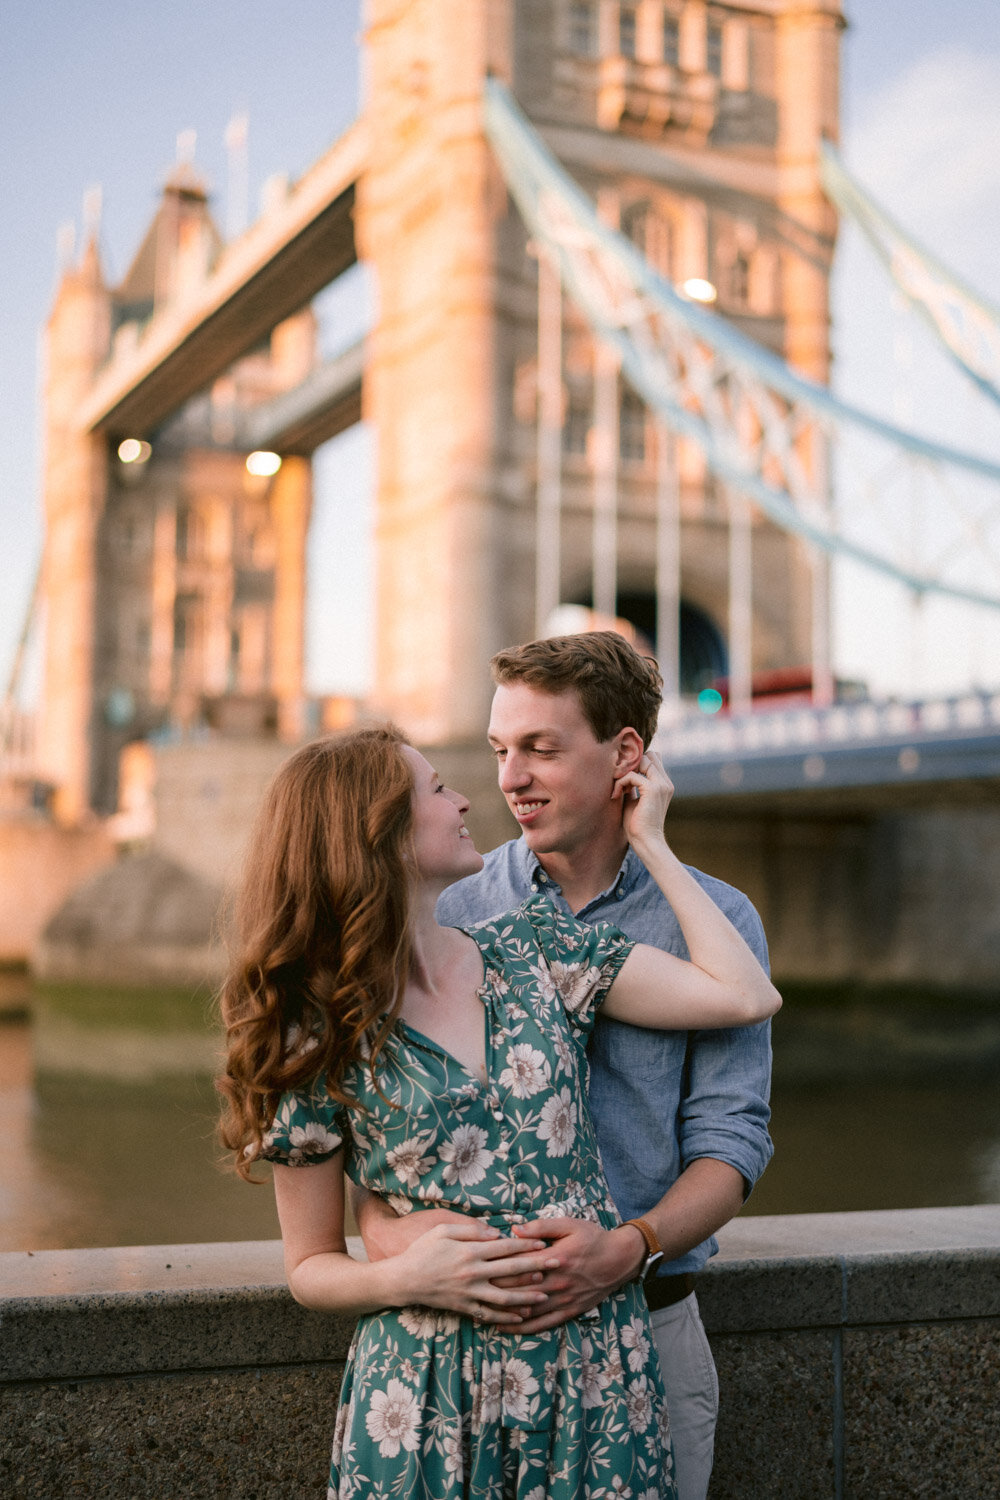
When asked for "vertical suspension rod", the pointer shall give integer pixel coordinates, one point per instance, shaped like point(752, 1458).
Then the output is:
point(822, 653)
point(668, 569)
point(605, 543)
point(605, 440)
point(740, 604)
point(549, 445)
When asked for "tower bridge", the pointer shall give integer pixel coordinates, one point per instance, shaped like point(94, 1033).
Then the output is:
point(705, 154)
point(557, 419)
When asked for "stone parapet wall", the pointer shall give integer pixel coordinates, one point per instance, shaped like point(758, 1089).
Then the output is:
point(858, 1356)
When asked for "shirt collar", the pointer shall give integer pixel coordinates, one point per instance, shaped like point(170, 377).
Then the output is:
point(624, 882)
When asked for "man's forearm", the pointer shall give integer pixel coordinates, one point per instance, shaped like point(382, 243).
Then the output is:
point(705, 1196)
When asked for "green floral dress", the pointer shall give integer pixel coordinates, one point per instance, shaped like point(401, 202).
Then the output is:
point(432, 1405)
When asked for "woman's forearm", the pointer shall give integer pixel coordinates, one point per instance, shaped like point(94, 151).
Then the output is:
point(713, 943)
point(723, 984)
point(334, 1281)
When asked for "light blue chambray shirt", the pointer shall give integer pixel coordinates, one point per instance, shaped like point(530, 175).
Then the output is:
point(660, 1099)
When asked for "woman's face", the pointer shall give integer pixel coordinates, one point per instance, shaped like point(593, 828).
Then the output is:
point(442, 844)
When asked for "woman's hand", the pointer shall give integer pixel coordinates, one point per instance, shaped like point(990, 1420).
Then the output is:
point(452, 1265)
point(645, 794)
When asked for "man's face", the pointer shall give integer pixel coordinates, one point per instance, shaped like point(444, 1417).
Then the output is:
point(556, 775)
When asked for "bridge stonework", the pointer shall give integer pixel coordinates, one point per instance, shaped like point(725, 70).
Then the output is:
point(696, 129)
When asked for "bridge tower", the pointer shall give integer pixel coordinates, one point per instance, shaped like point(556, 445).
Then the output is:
point(173, 580)
point(696, 127)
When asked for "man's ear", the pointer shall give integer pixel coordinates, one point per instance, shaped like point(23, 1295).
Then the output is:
point(628, 751)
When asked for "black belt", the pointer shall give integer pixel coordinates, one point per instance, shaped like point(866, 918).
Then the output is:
point(664, 1291)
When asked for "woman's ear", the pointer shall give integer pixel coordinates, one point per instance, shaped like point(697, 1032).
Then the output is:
point(629, 751)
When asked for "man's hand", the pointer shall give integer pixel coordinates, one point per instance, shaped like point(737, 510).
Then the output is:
point(593, 1263)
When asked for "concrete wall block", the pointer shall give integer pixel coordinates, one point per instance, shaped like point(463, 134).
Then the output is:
point(920, 1409)
point(776, 1417)
point(747, 1297)
point(941, 1284)
point(260, 1432)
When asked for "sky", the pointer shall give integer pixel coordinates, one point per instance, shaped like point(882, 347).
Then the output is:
point(97, 93)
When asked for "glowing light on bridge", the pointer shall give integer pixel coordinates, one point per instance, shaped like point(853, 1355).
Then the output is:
point(134, 451)
point(263, 464)
point(699, 290)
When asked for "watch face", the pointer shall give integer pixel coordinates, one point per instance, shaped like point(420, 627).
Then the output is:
point(652, 1261)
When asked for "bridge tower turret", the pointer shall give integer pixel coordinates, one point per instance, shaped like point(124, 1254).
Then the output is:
point(74, 490)
point(696, 127)
point(174, 580)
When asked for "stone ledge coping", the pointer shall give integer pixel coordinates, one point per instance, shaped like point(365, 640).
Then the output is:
point(68, 1314)
point(829, 1270)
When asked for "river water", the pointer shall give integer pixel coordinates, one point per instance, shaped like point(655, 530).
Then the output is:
point(107, 1114)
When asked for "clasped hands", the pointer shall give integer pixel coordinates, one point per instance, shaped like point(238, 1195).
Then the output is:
point(569, 1267)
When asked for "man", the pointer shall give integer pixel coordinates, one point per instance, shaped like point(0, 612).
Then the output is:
point(681, 1118)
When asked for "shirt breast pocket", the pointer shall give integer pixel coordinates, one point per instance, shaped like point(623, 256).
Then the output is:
point(635, 1054)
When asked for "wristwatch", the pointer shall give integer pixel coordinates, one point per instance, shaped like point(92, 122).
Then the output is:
point(654, 1250)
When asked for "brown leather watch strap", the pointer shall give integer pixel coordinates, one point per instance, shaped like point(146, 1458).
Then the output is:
point(645, 1228)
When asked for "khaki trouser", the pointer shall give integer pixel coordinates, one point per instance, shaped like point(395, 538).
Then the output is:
point(692, 1393)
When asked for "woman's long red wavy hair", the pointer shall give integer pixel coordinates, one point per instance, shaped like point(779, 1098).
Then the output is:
point(320, 946)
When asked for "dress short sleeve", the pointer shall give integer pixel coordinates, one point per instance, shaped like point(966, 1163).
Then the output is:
point(308, 1128)
point(583, 960)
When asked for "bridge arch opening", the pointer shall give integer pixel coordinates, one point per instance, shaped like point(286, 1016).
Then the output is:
point(703, 652)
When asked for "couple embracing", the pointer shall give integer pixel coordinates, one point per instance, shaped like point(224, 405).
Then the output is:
point(545, 1074)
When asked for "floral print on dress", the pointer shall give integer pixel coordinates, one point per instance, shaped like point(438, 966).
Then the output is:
point(433, 1406)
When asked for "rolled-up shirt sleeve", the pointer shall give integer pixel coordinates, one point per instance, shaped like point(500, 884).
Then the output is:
point(724, 1112)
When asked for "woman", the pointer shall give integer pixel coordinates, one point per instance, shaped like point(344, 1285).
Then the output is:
point(443, 1067)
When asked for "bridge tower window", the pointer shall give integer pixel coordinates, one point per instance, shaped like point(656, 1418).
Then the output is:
point(583, 28)
point(627, 30)
point(187, 627)
point(632, 428)
point(576, 428)
point(739, 279)
point(672, 40)
point(713, 49)
point(189, 533)
point(233, 666)
point(650, 233)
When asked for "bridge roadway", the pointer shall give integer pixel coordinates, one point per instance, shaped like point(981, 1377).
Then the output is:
point(272, 271)
point(850, 755)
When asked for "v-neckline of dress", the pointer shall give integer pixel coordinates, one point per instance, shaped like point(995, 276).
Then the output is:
point(481, 994)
